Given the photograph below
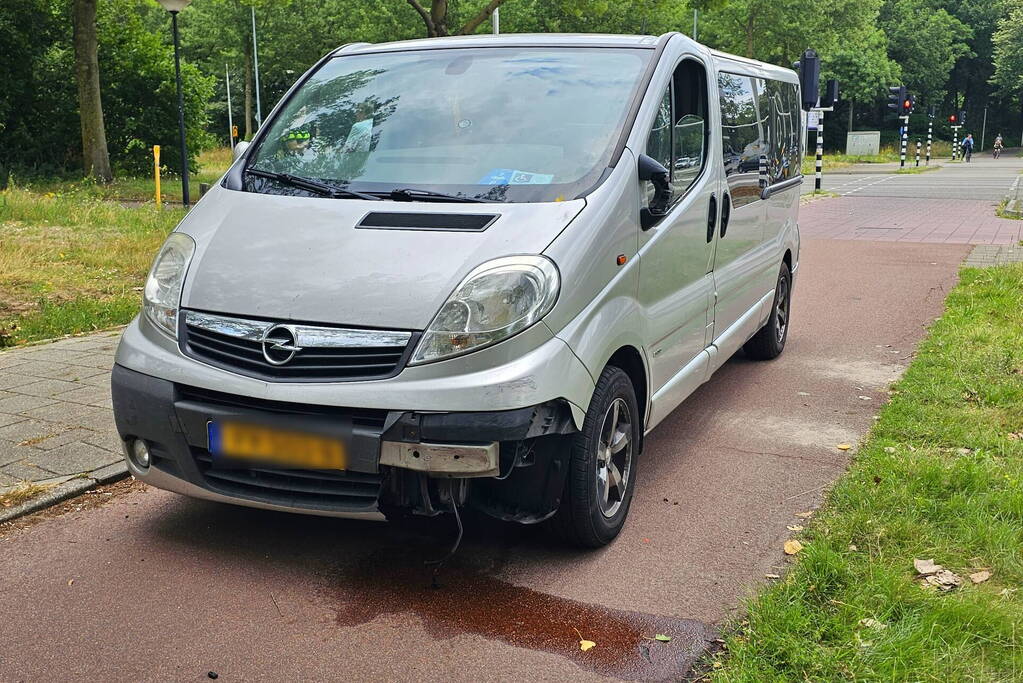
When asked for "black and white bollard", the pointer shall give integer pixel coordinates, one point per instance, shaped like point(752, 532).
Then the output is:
point(930, 129)
point(820, 153)
point(905, 139)
point(917, 152)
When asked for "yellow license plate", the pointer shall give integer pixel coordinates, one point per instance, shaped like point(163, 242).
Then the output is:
point(237, 440)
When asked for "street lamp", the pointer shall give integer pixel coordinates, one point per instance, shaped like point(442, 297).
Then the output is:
point(175, 6)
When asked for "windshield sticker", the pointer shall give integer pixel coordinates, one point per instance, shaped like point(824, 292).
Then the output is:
point(359, 136)
point(510, 176)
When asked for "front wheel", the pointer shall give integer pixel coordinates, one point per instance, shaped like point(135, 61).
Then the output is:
point(769, 342)
point(602, 469)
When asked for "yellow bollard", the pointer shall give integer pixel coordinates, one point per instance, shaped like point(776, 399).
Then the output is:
point(156, 172)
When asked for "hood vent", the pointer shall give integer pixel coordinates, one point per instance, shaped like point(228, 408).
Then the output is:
point(449, 222)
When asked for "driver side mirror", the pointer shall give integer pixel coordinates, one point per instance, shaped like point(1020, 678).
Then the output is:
point(239, 149)
point(653, 171)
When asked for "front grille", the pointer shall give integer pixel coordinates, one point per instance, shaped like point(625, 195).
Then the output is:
point(313, 489)
point(326, 354)
point(370, 420)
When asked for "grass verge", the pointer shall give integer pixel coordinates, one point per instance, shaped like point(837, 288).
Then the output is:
point(21, 494)
point(212, 164)
point(71, 264)
point(939, 477)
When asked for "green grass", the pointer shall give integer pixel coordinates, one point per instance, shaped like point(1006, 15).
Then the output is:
point(887, 155)
point(940, 476)
point(212, 164)
point(70, 263)
point(914, 170)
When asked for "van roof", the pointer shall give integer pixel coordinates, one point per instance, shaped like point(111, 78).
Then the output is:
point(507, 40)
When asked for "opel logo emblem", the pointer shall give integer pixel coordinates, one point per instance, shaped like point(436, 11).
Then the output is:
point(279, 345)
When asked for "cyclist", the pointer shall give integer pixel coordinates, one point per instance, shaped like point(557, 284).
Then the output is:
point(968, 147)
point(997, 151)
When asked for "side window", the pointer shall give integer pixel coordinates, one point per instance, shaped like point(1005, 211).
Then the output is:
point(740, 138)
point(658, 145)
point(689, 126)
point(784, 143)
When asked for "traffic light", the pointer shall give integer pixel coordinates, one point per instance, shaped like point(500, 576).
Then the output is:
point(897, 98)
point(952, 119)
point(962, 117)
point(809, 68)
point(911, 104)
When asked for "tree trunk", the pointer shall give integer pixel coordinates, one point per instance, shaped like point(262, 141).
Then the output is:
point(95, 157)
point(248, 90)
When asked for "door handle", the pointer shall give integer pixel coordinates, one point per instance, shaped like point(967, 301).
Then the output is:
point(712, 217)
point(726, 213)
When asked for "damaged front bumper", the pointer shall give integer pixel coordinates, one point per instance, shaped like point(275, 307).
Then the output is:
point(510, 463)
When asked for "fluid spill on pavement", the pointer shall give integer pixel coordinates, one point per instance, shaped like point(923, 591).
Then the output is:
point(469, 601)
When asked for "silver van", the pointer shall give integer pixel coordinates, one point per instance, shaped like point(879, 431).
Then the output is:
point(469, 271)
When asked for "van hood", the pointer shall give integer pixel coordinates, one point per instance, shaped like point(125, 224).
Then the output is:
point(303, 259)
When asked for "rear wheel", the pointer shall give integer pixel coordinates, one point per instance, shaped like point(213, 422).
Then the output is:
point(602, 470)
point(769, 342)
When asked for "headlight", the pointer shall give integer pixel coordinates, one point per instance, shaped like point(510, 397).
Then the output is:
point(163, 287)
point(496, 300)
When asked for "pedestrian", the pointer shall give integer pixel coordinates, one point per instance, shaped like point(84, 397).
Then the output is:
point(968, 147)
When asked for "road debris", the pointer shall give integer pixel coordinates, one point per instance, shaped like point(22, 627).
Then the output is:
point(792, 547)
point(931, 574)
point(981, 576)
point(843, 446)
point(584, 644)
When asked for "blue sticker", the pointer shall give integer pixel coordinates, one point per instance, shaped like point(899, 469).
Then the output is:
point(510, 176)
point(213, 433)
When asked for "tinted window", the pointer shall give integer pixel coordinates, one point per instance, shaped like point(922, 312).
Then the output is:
point(780, 106)
point(516, 124)
point(741, 137)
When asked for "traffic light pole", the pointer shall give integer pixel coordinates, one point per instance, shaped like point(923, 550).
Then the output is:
point(918, 152)
point(905, 139)
point(955, 142)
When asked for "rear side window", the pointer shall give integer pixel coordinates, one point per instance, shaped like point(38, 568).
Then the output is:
point(742, 137)
point(779, 102)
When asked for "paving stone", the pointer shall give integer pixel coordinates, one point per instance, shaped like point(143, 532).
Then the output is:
point(66, 436)
point(13, 379)
point(89, 395)
point(46, 387)
point(7, 481)
point(103, 361)
point(47, 353)
point(25, 470)
point(29, 430)
point(9, 419)
point(46, 370)
point(15, 403)
point(73, 458)
point(67, 413)
point(107, 439)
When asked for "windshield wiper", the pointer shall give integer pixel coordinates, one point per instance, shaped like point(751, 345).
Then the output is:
point(407, 194)
point(310, 184)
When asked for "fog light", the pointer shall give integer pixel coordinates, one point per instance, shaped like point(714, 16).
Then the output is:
point(139, 453)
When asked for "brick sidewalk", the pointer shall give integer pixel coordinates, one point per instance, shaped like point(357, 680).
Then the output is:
point(56, 421)
point(900, 219)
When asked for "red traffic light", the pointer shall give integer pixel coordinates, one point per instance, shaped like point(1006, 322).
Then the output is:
point(952, 118)
point(907, 104)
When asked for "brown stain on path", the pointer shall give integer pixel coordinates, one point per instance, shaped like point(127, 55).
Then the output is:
point(469, 601)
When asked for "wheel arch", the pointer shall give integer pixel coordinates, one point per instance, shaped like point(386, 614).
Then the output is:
point(629, 359)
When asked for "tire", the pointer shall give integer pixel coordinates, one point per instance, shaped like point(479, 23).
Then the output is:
point(593, 509)
point(769, 341)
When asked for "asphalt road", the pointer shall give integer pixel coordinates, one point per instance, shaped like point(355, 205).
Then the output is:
point(152, 586)
point(983, 178)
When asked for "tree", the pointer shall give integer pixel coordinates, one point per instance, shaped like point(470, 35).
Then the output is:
point(1008, 55)
point(438, 17)
point(95, 157)
point(926, 41)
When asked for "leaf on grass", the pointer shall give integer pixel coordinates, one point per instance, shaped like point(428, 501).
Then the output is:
point(663, 638)
point(585, 645)
point(844, 446)
point(794, 527)
point(935, 575)
point(872, 623)
point(792, 547)
point(926, 567)
point(981, 576)
point(889, 449)
point(1015, 436)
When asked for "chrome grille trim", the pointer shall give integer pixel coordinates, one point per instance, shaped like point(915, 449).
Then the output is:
point(305, 335)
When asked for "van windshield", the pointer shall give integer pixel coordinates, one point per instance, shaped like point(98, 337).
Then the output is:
point(505, 124)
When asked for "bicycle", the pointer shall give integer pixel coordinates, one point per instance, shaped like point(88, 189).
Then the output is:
point(996, 152)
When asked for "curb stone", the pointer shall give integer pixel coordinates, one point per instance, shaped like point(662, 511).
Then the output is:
point(66, 490)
